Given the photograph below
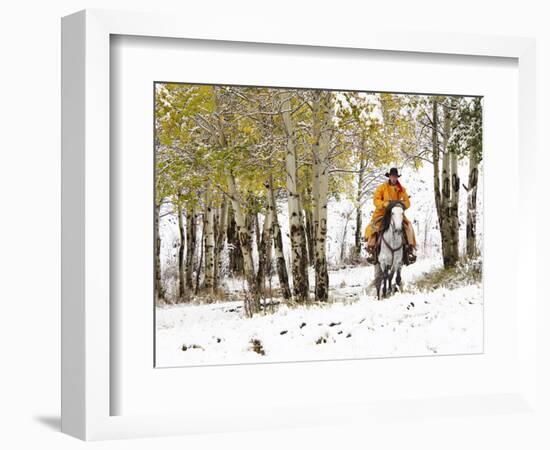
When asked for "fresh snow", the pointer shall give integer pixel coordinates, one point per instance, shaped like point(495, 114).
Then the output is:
point(354, 325)
point(444, 321)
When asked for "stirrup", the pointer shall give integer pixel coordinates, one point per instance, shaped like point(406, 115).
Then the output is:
point(371, 256)
point(411, 256)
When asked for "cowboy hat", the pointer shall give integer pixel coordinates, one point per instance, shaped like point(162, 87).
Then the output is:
point(393, 171)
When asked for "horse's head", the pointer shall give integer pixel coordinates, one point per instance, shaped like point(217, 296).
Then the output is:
point(397, 216)
point(394, 216)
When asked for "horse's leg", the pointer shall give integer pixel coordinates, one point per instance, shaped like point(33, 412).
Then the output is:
point(390, 281)
point(385, 291)
point(377, 279)
point(398, 279)
point(377, 273)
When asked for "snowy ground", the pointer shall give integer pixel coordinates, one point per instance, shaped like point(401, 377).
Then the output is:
point(353, 325)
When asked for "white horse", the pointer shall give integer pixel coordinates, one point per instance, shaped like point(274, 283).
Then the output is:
point(390, 258)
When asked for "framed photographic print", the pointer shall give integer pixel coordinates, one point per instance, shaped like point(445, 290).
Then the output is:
point(266, 199)
point(291, 214)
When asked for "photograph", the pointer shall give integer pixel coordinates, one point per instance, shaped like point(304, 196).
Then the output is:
point(301, 224)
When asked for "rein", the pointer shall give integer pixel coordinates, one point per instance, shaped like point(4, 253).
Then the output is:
point(393, 250)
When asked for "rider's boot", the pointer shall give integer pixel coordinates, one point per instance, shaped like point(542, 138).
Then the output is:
point(411, 254)
point(371, 255)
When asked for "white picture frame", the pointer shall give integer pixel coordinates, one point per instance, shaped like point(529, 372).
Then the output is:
point(86, 323)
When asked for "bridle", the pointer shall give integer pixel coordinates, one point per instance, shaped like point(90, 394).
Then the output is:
point(393, 250)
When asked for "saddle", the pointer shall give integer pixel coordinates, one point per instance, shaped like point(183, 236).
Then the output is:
point(408, 255)
point(381, 225)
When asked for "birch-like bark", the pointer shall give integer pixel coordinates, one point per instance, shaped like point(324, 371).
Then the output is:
point(282, 272)
point(298, 258)
point(159, 289)
point(234, 246)
point(359, 210)
point(446, 192)
point(220, 241)
point(322, 121)
point(435, 160)
point(209, 242)
point(264, 249)
point(243, 235)
point(454, 221)
point(181, 252)
point(201, 258)
point(310, 237)
point(255, 221)
point(471, 217)
point(302, 219)
point(450, 258)
point(252, 304)
point(441, 203)
point(191, 238)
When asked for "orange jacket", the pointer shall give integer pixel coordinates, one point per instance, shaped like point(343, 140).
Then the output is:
point(382, 197)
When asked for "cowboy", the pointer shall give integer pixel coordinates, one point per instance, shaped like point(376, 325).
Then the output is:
point(392, 190)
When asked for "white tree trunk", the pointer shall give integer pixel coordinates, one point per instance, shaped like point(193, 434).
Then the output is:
point(245, 239)
point(435, 161)
point(191, 238)
point(220, 241)
point(181, 250)
point(358, 209)
point(159, 288)
point(471, 217)
point(298, 259)
point(454, 221)
point(209, 242)
point(322, 123)
point(446, 220)
point(282, 271)
point(264, 249)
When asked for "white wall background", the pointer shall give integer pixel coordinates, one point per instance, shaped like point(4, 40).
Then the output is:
point(30, 193)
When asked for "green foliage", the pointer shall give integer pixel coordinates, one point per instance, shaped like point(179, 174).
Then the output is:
point(203, 132)
point(467, 127)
